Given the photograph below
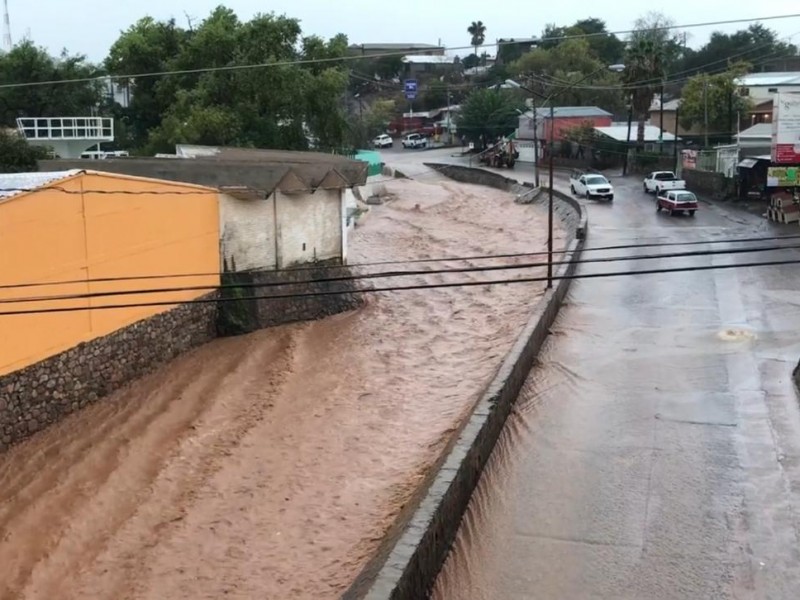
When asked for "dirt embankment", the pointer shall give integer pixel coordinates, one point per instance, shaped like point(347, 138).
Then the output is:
point(270, 466)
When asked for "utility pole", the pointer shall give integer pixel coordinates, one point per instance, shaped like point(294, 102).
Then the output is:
point(7, 44)
point(675, 142)
point(628, 140)
point(550, 204)
point(449, 124)
point(661, 120)
point(705, 110)
point(535, 145)
point(730, 114)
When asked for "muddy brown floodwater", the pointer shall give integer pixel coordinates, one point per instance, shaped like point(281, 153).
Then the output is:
point(271, 465)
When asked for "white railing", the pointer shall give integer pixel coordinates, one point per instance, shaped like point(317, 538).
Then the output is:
point(67, 128)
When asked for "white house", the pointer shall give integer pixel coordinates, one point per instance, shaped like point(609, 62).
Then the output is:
point(653, 136)
point(760, 87)
point(292, 225)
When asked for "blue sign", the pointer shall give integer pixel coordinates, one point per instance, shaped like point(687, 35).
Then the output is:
point(410, 86)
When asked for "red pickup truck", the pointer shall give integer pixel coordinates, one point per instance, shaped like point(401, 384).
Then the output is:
point(674, 201)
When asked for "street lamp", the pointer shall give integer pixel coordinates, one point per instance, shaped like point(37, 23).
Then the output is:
point(616, 68)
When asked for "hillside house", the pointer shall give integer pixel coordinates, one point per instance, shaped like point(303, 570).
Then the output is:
point(564, 119)
point(421, 64)
point(761, 87)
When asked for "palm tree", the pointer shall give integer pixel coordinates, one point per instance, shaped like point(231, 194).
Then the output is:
point(644, 71)
point(478, 32)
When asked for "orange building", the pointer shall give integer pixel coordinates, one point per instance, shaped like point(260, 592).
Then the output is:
point(77, 233)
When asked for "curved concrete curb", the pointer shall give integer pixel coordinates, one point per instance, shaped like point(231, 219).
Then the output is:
point(416, 559)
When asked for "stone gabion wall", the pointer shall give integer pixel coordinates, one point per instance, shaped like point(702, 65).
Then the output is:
point(239, 313)
point(41, 394)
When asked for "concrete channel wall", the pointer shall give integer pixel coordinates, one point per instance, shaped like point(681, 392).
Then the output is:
point(411, 562)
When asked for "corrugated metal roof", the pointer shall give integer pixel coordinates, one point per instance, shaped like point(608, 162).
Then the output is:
point(760, 130)
point(428, 59)
point(669, 105)
point(12, 184)
point(777, 78)
point(391, 45)
point(620, 133)
point(564, 112)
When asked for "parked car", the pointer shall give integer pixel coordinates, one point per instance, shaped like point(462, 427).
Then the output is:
point(383, 141)
point(658, 181)
point(415, 140)
point(677, 201)
point(590, 185)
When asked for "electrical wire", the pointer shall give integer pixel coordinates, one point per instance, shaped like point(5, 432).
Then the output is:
point(309, 61)
point(476, 257)
point(402, 288)
point(655, 80)
point(395, 274)
point(552, 81)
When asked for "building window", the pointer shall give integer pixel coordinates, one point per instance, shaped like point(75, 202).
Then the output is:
point(773, 90)
point(745, 91)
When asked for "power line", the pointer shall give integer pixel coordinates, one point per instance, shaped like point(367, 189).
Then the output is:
point(394, 274)
point(405, 288)
point(643, 83)
point(308, 61)
point(468, 258)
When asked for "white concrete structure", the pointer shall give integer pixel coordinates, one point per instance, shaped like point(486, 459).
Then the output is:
point(247, 232)
point(620, 133)
point(69, 137)
point(758, 136)
point(294, 225)
point(760, 87)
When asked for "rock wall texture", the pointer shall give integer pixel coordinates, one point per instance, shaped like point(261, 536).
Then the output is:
point(41, 394)
point(44, 393)
point(253, 300)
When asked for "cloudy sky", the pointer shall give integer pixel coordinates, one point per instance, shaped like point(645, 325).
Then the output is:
point(90, 26)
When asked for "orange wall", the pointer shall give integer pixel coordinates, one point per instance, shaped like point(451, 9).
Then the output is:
point(50, 235)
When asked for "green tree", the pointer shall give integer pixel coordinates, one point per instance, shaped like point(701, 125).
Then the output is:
point(147, 46)
point(487, 114)
point(477, 31)
point(652, 50)
point(602, 45)
point(27, 63)
point(562, 70)
point(714, 100)
point(206, 101)
point(757, 44)
point(16, 154)
point(605, 47)
point(374, 121)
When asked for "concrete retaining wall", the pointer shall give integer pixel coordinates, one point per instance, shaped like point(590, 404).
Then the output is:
point(42, 394)
point(566, 209)
point(416, 558)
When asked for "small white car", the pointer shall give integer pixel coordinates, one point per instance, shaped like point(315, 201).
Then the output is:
point(383, 141)
point(591, 185)
point(415, 140)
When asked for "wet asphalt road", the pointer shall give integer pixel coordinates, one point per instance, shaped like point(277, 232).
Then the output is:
point(655, 451)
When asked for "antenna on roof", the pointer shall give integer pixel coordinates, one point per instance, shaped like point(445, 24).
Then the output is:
point(7, 45)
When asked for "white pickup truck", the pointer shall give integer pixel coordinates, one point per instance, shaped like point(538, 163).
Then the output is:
point(660, 181)
point(590, 185)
